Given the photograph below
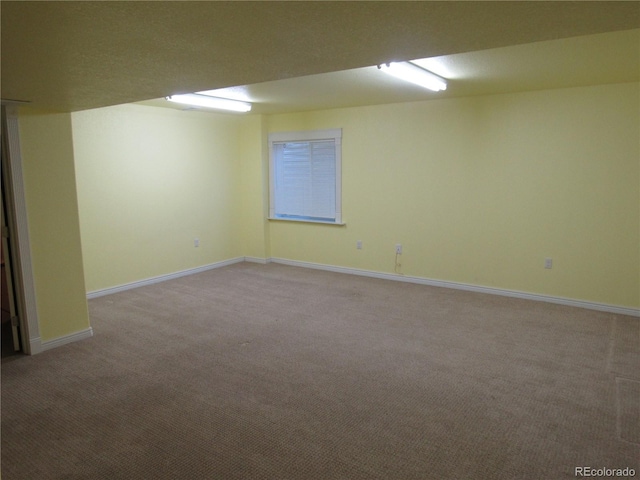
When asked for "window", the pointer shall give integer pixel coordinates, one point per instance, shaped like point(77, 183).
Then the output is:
point(304, 176)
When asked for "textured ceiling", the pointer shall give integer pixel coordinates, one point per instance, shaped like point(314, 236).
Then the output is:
point(72, 56)
point(598, 59)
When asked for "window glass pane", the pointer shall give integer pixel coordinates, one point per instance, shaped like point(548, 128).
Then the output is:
point(304, 177)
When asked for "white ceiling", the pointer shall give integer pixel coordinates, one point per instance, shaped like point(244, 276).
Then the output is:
point(75, 55)
point(577, 61)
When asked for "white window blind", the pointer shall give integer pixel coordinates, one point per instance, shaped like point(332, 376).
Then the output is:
point(305, 176)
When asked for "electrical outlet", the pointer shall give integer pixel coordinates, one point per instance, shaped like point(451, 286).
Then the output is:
point(196, 242)
point(548, 263)
point(359, 244)
point(398, 249)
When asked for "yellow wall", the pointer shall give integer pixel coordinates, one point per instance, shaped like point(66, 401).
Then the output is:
point(51, 201)
point(480, 190)
point(254, 193)
point(150, 180)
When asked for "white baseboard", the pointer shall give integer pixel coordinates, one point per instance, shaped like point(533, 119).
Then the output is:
point(35, 346)
point(161, 278)
point(58, 342)
point(635, 312)
point(262, 261)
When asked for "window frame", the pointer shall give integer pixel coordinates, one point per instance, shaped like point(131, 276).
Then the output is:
point(334, 134)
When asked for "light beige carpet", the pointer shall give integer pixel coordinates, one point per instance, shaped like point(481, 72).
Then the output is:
point(276, 372)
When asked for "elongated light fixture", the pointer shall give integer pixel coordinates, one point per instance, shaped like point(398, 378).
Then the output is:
point(412, 73)
point(207, 101)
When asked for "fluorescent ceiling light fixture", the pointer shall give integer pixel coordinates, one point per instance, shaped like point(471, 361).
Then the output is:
point(207, 101)
point(409, 72)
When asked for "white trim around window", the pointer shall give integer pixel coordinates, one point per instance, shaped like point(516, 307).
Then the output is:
point(305, 176)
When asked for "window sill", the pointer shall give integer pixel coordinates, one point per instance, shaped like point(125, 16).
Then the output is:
point(301, 220)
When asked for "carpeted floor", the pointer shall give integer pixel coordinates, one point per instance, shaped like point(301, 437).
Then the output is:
point(277, 372)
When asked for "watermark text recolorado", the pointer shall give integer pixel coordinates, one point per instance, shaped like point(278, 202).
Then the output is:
point(604, 472)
